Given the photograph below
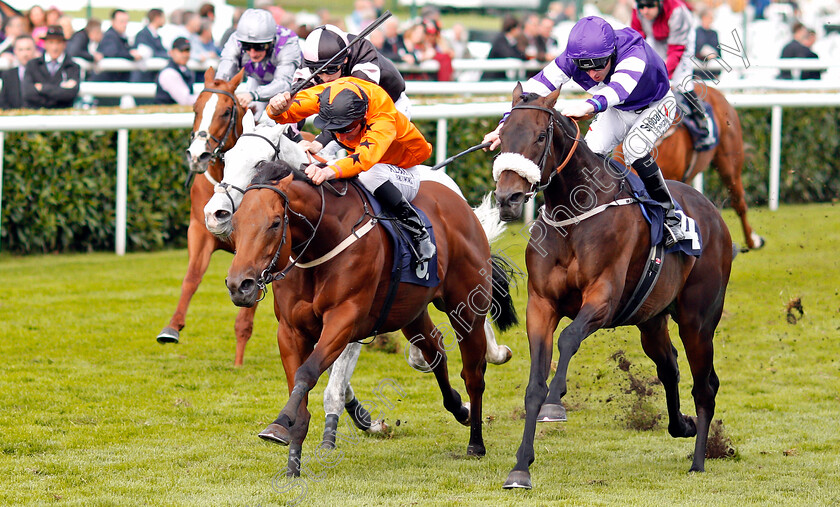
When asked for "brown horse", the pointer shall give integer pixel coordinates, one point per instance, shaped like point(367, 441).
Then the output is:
point(587, 270)
point(676, 156)
point(217, 126)
point(333, 293)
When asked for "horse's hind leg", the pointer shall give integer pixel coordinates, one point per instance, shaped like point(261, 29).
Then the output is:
point(729, 163)
point(339, 395)
point(656, 343)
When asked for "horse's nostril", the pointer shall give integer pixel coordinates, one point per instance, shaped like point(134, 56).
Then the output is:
point(204, 157)
point(222, 215)
point(247, 286)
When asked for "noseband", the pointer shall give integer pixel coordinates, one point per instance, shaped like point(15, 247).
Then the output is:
point(537, 187)
point(217, 153)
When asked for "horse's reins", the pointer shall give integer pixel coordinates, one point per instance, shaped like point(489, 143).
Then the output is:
point(549, 138)
point(217, 153)
point(223, 187)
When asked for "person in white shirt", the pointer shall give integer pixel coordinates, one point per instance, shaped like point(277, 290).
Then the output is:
point(175, 82)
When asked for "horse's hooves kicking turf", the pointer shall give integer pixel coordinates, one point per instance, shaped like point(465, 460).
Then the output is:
point(277, 434)
point(518, 479)
point(168, 335)
point(551, 412)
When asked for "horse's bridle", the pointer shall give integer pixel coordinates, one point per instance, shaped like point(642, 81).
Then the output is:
point(217, 153)
point(223, 187)
point(537, 187)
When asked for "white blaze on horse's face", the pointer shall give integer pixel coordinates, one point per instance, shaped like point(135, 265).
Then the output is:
point(198, 146)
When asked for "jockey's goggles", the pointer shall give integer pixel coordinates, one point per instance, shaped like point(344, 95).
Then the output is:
point(591, 63)
point(649, 4)
point(332, 69)
point(257, 46)
point(348, 128)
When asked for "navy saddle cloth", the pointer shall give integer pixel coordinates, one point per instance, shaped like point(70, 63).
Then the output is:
point(654, 213)
point(700, 144)
point(426, 273)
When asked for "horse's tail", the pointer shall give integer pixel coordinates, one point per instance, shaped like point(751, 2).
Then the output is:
point(488, 214)
point(503, 312)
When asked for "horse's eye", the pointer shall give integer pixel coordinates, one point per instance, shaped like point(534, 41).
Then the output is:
point(276, 224)
point(226, 113)
point(541, 139)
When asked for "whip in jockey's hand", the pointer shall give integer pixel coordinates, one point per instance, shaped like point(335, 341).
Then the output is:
point(493, 138)
point(319, 174)
point(578, 110)
point(279, 103)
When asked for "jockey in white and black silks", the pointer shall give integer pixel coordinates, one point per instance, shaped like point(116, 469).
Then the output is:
point(630, 94)
point(270, 54)
point(361, 61)
point(669, 27)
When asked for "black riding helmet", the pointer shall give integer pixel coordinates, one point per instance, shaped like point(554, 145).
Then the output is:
point(341, 104)
point(322, 44)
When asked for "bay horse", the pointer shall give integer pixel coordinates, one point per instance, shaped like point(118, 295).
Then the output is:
point(332, 294)
point(216, 127)
point(679, 161)
point(588, 269)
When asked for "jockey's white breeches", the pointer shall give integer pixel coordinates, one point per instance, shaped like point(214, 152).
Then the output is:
point(637, 132)
point(405, 180)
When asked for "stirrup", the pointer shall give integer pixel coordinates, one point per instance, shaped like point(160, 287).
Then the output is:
point(673, 232)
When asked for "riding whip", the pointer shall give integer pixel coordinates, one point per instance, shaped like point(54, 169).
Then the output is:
point(453, 157)
point(336, 57)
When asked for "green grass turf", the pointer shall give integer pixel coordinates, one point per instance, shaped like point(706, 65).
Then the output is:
point(94, 412)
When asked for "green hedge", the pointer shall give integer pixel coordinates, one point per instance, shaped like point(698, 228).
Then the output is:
point(59, 188)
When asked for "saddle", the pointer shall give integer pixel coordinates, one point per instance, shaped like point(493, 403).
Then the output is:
point(701, 142)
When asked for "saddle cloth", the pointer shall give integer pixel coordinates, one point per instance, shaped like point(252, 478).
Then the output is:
point(700, 143)
point(404, 265)
point(654, 214)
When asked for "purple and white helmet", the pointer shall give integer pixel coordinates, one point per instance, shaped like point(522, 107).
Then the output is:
point(591, 43)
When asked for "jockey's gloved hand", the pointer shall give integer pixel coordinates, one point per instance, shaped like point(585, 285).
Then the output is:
point(319, 173)
point(578, 109)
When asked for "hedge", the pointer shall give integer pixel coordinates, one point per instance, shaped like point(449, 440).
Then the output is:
point(59, 188)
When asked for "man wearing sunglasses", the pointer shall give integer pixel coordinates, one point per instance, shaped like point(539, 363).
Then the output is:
point(669, 27)
point(383, 144)
point(270, 54)
point(362, 61)
point(630, 95)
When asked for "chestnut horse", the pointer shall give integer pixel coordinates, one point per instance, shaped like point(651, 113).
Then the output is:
point(217, 126)
point(588, 269)
point(334, 290)
point(676, 157)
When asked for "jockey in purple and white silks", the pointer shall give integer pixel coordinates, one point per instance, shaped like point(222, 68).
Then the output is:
point(630, 95)
point(270, 55)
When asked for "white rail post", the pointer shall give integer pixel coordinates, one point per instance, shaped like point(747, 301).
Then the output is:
point(122, 188)
point(440, 141)
point(775, 155)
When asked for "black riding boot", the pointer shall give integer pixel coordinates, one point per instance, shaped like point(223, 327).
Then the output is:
point(698, 113)
point(394, 202)
point(655, 184)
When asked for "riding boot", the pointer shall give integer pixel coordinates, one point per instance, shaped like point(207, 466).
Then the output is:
point(394, 202)
point(655, 185)
point(697, 112)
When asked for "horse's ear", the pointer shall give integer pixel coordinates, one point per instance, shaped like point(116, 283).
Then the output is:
point(234, 82)
point(209, 75)
point(248, 123)
point(517, 93)
point(551, 98)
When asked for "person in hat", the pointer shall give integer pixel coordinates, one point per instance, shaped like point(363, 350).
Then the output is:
point(175, 82)
point(52, 80)
point(383, 145)
point(630, 94)
point(270, 54)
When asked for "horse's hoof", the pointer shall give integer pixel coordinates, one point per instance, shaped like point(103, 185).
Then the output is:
point(168, 335)
point(506, 354)
point(277, 434)
point(758, 241)
point(466, 420)
point(518, 479)
point(377, 426)
point(477, 451)
point(552, 413)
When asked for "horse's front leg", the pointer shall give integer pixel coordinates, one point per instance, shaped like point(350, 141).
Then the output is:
point(590, 318)
point(541, 322)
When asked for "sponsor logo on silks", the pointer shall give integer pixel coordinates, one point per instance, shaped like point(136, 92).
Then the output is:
point(422, 270)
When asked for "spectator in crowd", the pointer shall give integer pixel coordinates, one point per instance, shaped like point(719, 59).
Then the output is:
point(363, 14)
point(114, 44)
point(204, 49)
point(11, 95)
point(16, 26)
point(562, 11)
point(458, 39)
point(393, 45)
point(707, 44)
point(546, 36)
point(237, 13)
point(277, 12)
point(37, 19)
point(174, 28)
point(149, 44)
point(800, 47)
point(505, 45)
point(175, 82)
point(623, 11)
point(83, 42)
point(534, 45)
point(66, 24)
point(427, 44)
point(207, 11)
point(268, 53)
point(51, 80)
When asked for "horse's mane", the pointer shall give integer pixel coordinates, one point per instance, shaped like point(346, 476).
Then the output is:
point(269, 172)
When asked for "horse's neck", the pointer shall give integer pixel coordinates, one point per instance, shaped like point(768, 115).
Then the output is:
point(585, 176)
point(341, 214)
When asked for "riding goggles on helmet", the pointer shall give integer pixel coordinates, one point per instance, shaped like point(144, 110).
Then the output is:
point(650, 4)
point(332, 69)
point(348, 128)
point(257, 46)
point(591, 63)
